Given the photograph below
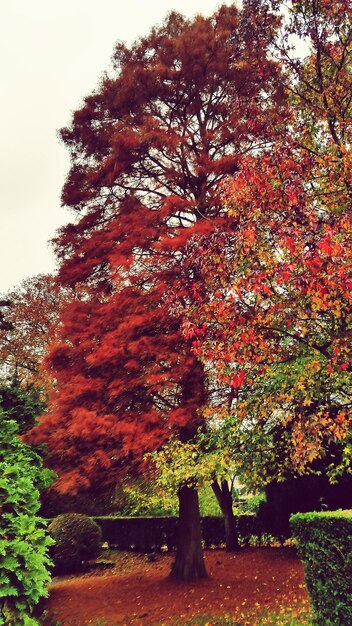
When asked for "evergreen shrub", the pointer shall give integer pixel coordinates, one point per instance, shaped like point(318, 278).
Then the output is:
point(324, 541)
point(24, 543)
point(77, 539)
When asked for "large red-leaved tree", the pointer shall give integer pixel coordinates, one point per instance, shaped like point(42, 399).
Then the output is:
point(150, 151)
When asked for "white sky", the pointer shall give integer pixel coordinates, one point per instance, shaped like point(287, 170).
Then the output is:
point(52, 53)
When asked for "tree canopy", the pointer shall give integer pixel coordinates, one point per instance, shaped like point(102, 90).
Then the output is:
point(150, 151)
point(272, 307)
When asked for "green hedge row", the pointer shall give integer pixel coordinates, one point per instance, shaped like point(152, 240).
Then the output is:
point(324, 543)
point(147, 534)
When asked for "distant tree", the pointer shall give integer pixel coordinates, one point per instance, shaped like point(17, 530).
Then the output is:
point(4, 324)
point(150, 152)
point(32, 322)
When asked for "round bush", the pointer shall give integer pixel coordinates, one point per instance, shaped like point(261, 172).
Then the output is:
point(77, 539)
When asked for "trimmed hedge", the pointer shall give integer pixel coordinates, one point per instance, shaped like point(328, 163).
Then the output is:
point(324, 542)
point(140, 534)
point(148, 534)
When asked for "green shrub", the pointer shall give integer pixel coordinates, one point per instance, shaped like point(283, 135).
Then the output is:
point(21, 403)
point(251, 504)
point(324, 542)
point(77, 539)
point(24, 544)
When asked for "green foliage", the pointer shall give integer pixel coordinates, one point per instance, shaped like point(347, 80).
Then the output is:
point(145, 499)
point(300, 494)
point(325, 545)
point(77, 539)
point(208, 503)
point(189, 464)
point(251, 504)
point(24, 544)
point(140, 498)
point(22, 403)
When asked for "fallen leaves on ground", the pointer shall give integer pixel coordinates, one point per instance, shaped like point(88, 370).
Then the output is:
point(136, 591)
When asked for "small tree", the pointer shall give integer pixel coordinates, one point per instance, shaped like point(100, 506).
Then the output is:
point(204, 462)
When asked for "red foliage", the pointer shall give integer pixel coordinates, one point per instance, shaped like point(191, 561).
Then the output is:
point(150, 151)
point(33, 315)
point(273, 296)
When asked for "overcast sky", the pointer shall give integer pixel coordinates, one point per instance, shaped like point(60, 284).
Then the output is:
point(52, 53)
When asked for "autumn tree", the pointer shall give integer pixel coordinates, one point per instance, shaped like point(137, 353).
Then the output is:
point(272, 308)
point(4, 324)
point(150, 150)
point(32, 321)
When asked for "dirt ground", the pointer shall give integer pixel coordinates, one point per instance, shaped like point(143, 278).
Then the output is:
point(137, 592)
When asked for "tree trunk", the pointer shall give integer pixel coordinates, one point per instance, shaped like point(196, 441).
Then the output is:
point(189, 562)
point(224, 498)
